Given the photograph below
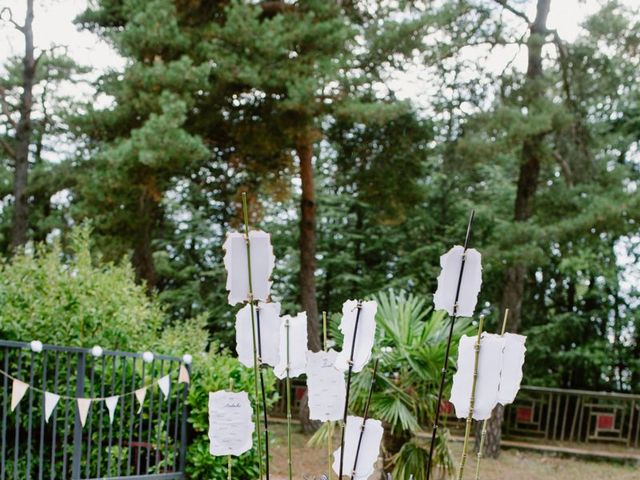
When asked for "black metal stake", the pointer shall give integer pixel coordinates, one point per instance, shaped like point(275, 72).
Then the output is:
point(364, 419)
point(346, 401)
point(443, 373)
point(264, 395)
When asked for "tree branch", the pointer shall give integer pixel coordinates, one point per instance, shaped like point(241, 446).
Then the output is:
point(7, 15)
point(516, 12)
point(5, 108)
point(8, 148)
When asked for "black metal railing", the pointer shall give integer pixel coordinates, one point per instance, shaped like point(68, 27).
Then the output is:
point(142, 442)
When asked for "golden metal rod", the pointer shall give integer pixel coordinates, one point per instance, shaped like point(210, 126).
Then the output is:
point(472, 400)
point(483, 434)
point(245, 211)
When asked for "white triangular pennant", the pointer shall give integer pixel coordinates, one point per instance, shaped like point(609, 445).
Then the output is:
point(183, 377)
point(111, 403)
point(19, 389)
point(83, 409)
point(163, 385)
point(141, 393)
point(50, 402)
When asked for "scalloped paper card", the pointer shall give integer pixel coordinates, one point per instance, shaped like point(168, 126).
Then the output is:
point(235, 261)
point(364, 336)
point(445, 296)
point(267, 315)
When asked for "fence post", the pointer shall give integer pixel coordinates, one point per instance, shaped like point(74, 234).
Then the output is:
point(183, 426)
point(77, 426)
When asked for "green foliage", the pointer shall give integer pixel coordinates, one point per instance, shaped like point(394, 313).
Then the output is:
point(213, 371)
point(70, 298)
point(410, 345)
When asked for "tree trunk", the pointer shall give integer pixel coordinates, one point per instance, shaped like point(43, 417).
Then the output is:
point(530, 161)
point(23, 137)
point(142, 260)
point(308, 299)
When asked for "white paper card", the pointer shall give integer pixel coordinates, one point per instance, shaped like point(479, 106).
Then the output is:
point(369, 449)
point(235, 261)
point(326, 386)
point(512, 361)
point(17, 392)
point(83, 409)
point(268, 316)
point(111, 403)
point(364, 337)
point(50, 402)
point(488, 382)
point(445, 295)
point(164, 384)
point(230, 423)
point(297, 354)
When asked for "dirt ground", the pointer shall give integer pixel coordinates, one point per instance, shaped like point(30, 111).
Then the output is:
point(310, 463)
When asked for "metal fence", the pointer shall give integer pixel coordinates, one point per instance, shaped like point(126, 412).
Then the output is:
point(142, 442)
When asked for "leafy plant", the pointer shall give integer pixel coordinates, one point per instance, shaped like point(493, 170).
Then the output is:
point(411, 340)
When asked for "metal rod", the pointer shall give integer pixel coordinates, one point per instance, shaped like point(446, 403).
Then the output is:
point(445, 367)
point(349, 373)
point(330, 427)
point(245, 212)
point(229, 456)
point(264, 395)
point(364, 419)
point(472, 400)
point(289, 460)
point(483, 434)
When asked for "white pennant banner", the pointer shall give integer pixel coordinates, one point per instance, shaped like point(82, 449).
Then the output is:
point(141, 393)
point(235, 261)
point(164, 384)
point(50, 402)
point(364, 337)
point(297, 342)
point(83, 409)
point(183, 376)
point(111, 403)
point(268, 316)
point(19, 389)
point(445, 296)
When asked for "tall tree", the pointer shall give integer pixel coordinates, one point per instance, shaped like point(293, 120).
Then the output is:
point(23, 128)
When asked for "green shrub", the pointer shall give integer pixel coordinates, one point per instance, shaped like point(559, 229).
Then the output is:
point(214, 371)
point(70, 298)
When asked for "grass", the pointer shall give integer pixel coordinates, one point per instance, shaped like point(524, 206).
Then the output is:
point(311, 463)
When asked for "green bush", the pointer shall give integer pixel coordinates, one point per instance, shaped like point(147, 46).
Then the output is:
point(215, 371)
point(68, 297)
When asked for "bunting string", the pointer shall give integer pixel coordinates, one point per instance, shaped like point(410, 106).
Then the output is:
point(163, 383)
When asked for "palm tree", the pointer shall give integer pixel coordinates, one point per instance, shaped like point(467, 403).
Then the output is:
point(411, 343)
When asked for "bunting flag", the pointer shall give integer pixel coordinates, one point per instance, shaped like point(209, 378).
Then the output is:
point(19, 389)
point(83, 409)
point(111, 403)
point(183, 376)
point(164, 384)
point(141, 393)
point(50, 402)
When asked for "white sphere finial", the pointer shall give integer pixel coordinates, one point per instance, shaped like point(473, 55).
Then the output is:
point(97, 351)
point(36, 346)
point(187, 359)
point(147, 357)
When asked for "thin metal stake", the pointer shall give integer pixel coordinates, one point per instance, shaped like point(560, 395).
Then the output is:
point(287, 325)
point(350, 371)
point(229, 456)
point(264, 395)
point(443, 373)
point(330, 427)
point(472, 400)
point(364, 419)
point(245, 211)
point(483, 435)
